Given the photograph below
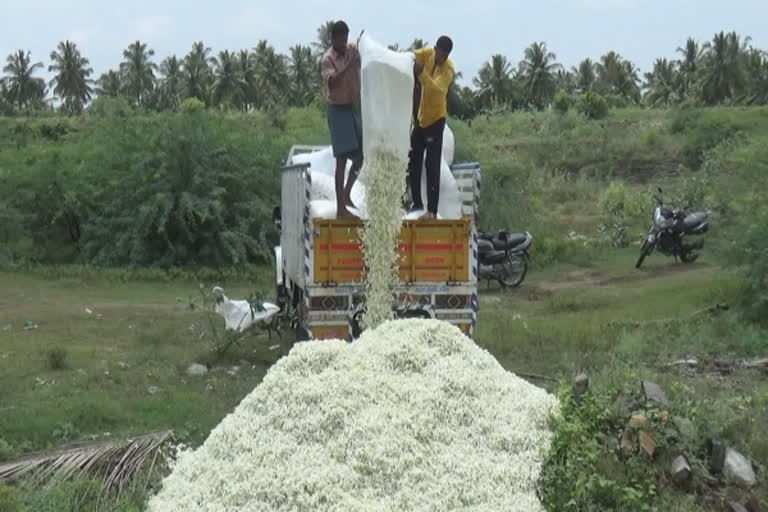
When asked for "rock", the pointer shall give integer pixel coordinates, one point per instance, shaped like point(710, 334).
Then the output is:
point(122, 365)
point(638, 420)
point(209, 387)
point(654, 394)
point(647, 443)
point(196, 370)
point(736, 507)
point(757, 363)
point(680, 470)
point(738, 469)
point(626, 405)
point(685, 427)
point(716, 450)
point(627, 447)
point(580, 385)
point(153, 390)
point(664, 417)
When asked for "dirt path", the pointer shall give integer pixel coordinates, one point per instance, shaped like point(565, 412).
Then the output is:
point(593, 279)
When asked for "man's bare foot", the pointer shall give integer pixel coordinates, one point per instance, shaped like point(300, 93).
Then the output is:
point(343, 213)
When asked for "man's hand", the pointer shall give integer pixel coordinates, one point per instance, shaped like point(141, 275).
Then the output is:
point(418, 67)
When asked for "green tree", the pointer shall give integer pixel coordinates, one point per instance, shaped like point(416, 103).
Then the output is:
point(272, 71)
point(23, 89)
point(723, 68)
point(324, 39)
point(757, 77)
point(494, 81)
point(302, 78)
point(566, 81)
point(198, 74)
point(171, 83)
point(662, 84)
point(249, 79)
point(109, 84)
point(227, 86)
point(586, 75)
point(6, 107)
point(538, 69)
point(690, 63)
point(138, 72)
point(71, 82)
point(618, 77)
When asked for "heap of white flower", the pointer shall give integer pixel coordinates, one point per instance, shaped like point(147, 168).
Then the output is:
point(384, 180)
point(412, 416)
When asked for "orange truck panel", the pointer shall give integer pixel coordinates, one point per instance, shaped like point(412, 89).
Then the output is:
point(434, 250)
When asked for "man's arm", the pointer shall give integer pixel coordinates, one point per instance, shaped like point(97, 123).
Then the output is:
point(330, 73)
point(421, 55)
point(439, 84)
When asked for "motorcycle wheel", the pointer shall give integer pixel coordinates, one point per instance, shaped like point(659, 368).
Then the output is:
point(645, 250)
point(513, 272)
point(688, 256)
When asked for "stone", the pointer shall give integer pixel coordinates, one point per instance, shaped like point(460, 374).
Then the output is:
point(627, 446)
point(716, 455)
point(664, 417)
point(196, 370)
point(685, 427)
point(122, 365)
point(626, 405)
point(647, 443)
point(638, 420)
point(736, 507)
point(680, 470)
point(209, 387)
point(153, 390)
point(580, 385)
point(757, 363)
point(738, 469)
point(654, 395)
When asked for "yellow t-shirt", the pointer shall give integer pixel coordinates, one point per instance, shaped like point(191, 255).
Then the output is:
point(435, 81)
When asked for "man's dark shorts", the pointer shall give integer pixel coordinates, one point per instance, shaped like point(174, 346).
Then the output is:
point(346, 132)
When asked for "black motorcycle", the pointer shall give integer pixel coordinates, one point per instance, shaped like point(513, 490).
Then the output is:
point(503, 257)
point(669, 229)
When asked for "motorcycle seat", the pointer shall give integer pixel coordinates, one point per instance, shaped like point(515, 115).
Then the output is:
point(504, 241)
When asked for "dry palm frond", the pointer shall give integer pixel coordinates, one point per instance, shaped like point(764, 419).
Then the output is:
point(117, 462)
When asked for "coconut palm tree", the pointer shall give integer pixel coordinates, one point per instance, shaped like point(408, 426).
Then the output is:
point(138, 72)
point(71, 82)
point(619, 77)
point(227, 86)
point(586, 75)
point(662, 83)
point(566, 81)
point(301, 75)
point(272, 70)
point(757, 75)
point(198, 75)
point(249, 80)
point(23, 89)
point(324, 39)
point(689, 66)
point(494, 80)
point(723, 69)
point(538, 69)
point(109, 84)
point(170, 83)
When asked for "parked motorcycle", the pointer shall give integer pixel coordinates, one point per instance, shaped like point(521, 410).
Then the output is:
point(669, 229)
point(503, 257)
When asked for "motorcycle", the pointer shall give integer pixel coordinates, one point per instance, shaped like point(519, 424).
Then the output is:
point(503, 257)
point(669, 229)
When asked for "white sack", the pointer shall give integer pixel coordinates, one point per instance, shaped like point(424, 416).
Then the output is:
point(449, 145)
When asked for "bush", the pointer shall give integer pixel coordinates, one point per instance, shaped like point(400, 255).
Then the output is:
point(104, 106)
point(192, 105)
point(562, 102)
point(57, 358)
point(10, 499)
point(6, 450)
point(592, 105)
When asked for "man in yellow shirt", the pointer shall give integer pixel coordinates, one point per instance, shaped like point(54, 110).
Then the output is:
point(435, 73)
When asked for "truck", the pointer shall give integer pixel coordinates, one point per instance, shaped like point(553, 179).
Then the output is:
point(319, 264)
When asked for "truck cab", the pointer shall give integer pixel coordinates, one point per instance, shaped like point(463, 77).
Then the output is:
point(319, 265)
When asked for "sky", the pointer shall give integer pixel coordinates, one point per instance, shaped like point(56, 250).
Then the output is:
point(640, 30)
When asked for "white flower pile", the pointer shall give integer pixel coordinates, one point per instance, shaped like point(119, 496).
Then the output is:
point(384, 179)
point(413, 416)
